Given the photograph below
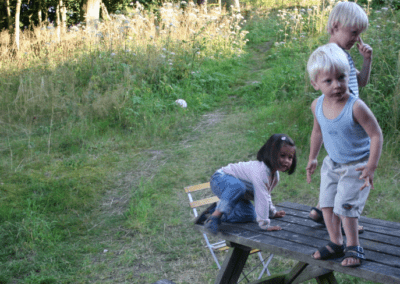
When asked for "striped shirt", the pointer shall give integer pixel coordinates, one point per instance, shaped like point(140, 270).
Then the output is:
point(353, 83)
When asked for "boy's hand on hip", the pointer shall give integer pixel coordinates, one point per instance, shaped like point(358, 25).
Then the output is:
point(368, 176)
point(364, 49)
point(311, 166)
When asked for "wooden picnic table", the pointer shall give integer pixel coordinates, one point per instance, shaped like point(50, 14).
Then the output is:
point(299, 238)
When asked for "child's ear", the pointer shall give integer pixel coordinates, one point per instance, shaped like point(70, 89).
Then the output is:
point(335, 28)
point(315, 85)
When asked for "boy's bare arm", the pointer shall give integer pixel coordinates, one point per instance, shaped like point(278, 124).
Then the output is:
point(364, 116)
point(315, 145)
point(366, 51)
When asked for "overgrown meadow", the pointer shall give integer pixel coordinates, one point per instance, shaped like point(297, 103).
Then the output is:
point(94, 151)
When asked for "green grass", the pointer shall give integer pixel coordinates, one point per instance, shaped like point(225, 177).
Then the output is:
point(91, 185)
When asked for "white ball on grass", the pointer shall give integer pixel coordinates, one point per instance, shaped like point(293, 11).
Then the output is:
point(181, 103)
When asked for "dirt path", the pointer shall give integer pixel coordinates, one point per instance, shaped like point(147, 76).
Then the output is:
point(175, 252)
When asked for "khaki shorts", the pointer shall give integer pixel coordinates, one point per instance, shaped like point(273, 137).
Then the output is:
point(340, 187)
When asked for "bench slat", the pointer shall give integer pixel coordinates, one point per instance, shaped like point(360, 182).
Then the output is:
point(226, 248)
point(204, 201)
point(197, 187)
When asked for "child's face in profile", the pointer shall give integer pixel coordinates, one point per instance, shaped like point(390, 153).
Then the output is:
point(333, 84)
point(345, 37)
point(285, 157)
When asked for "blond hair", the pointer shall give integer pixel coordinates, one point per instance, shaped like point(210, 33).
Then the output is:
point(348, 14)
point(327, 58)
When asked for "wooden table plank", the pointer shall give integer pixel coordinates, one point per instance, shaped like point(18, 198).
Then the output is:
point(378, 222)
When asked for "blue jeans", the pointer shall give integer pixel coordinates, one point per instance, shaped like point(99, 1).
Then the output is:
point(231, 192)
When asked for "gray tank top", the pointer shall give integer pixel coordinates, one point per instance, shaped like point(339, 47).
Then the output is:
point(344, 139)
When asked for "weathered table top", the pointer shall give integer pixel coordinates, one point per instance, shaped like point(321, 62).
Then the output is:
point(300, 237)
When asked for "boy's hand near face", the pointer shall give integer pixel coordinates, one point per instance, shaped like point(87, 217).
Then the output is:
point(364, 49)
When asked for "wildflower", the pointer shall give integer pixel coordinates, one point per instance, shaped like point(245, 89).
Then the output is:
point(384, 9)
point(113, 54)
point(172, 53)
point(170, 63)
point(276, 43)
point(163, 56)
point(198, 52)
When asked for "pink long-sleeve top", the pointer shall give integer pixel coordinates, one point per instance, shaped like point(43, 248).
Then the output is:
point(258, 174)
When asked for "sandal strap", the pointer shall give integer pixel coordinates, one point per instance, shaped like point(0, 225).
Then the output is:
point(320, 216)
point(354, 254)
point(336, 248)
point(326, 254)
point(356, 249)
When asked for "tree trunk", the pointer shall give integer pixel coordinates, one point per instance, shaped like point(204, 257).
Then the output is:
point(17, 12)
point(236, 6)
point(104, 12)
point(40, 13)
point(9, 20)
point(63, 11)
point(90, 10)
point(58, 21)
point(46, 16)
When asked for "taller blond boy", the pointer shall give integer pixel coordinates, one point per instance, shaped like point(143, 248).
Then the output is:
point(345, 24)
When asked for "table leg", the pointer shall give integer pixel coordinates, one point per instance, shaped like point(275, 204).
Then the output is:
point(233, 264)
point(328, 278)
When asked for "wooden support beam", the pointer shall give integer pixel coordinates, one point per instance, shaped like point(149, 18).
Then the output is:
point(233, 264)
point(300, 273)
point(328, 278)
